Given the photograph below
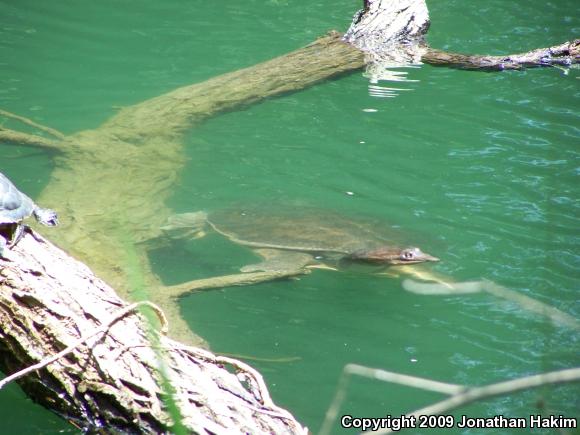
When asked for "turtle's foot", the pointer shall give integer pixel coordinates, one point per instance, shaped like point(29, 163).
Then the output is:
point(184, 233)
point(4, 248)
point(186, 225)
point(278, 261)
point(186, 220)
point(17, 234)
point(322, 266)
point(389, 274)
point(197, 234)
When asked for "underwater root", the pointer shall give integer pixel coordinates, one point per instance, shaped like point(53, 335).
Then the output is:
point(240, 279)
point(529, 304)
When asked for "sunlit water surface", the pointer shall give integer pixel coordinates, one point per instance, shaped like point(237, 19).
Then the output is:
point(479, 169)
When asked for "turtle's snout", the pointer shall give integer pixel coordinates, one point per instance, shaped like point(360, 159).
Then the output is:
point(53, 220)
point(428, 257)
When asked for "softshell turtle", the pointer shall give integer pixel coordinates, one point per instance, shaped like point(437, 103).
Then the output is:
point(299, 237)
point(293, 239)
point(15, 206)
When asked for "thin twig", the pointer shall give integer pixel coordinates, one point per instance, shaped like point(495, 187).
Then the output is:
point(564, 54)
point(501, 388)
point(30, 122)
point(339, 396)
point(102, 329)
point(398, 378)
point(15, 137)
point(381, 375)
point(459, 395)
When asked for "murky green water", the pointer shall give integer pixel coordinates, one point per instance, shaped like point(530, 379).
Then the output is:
point(479, 169)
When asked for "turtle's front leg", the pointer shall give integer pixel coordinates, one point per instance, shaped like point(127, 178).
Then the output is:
point(17, 234)
point(186, 225)
point(276, 260)
point(7, 237)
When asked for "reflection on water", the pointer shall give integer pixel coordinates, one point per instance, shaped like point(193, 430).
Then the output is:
point(386, 73)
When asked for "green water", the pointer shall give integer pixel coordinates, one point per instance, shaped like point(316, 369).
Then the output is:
point(478, 169)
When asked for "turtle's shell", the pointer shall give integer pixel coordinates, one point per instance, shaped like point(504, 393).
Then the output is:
point(14, 205)
point(300, 229)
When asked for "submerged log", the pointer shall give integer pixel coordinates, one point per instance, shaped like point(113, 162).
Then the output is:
point(111, 375)
point(393, 32)
point(112, 183)
point(563, 55)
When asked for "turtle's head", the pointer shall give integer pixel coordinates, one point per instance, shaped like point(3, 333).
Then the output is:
point(394, 256)
point(46, 216)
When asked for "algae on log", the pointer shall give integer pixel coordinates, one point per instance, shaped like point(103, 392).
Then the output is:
point(50, 302)
point(110, 184)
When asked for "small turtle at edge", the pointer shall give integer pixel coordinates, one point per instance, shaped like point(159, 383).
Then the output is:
point(298, 238)
point(15, 206)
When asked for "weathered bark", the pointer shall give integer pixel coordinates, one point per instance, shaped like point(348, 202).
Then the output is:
point(390, 29)
point(48, 301)
point(393, 31)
